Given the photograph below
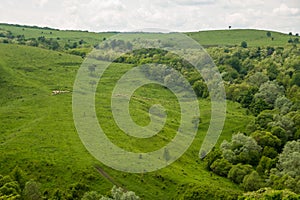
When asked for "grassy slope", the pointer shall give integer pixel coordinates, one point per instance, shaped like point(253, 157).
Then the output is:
point(37, 131)
point(254, 38)
point(206, 38)
point(65, 36)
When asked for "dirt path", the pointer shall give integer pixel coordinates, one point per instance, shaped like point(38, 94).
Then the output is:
point(109, 178)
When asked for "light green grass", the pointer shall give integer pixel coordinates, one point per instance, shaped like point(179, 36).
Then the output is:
point(254, 38)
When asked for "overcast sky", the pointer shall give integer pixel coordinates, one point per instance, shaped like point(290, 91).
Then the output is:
point(175, 15)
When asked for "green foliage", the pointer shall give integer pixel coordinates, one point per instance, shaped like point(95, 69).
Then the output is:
point(264, 138)
point(268, 193)
point(296, 79)
point(212, 157)
point(265, 165)
point(283, 104)
point(200, 89)
point(193, 191)
point(120, 194)
point(18, 175)
point(9, 189)
point(263, 119)
point(252, 182)
point(268, 92)
point(244, 44)
point(288, 162)
point(77, 190)
point(257, 79)
point(221, 167)
point(238, 172)
point(93, 195)
point(280, 133)
point(280, 181)
point(241, 149)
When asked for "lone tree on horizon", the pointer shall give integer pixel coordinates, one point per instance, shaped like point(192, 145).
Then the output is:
point(229, 27)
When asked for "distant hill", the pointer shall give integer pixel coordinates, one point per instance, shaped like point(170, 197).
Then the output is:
point(236, 36)
point(206, 38)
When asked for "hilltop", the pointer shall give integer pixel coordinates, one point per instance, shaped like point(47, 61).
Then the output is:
point(232, 37)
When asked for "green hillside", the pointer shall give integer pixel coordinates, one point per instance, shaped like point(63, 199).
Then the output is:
point(254, 38)
point(38, 134)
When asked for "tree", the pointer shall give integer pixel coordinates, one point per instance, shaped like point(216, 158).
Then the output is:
point(268, 92)
point(238, 172)
point(272, 72)
point(269, 34)
point(268, 194)
point(252, 182)
point(264, 138)
point(221, 167)
point(280, 133)
point(289, 159)
point(296, 79)
point(92, 195)
point(241, 149)
point(263, 119)
point(234, 62)
point(257, 79)
point(283, 104)
point(244, 44)
point(286, 123)
point(265, 165)
point(120, 194)
point(200, 89)
point(212, 156)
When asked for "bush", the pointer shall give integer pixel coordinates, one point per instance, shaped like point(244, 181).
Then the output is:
point(244, 44)
point(252, 182)
point(238, 172)
point(221, 167)
point(268, 194)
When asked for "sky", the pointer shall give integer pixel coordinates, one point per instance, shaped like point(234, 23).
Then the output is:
point(175, 15)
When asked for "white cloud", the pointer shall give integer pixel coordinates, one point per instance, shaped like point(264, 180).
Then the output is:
point(194, 2)
point(175, 15)
point(237, 20)
point(42, 3)
point(283, 9)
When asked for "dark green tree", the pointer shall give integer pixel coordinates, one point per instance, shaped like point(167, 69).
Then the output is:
point(244, 44)
point(238, 172)
point(252, 182)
